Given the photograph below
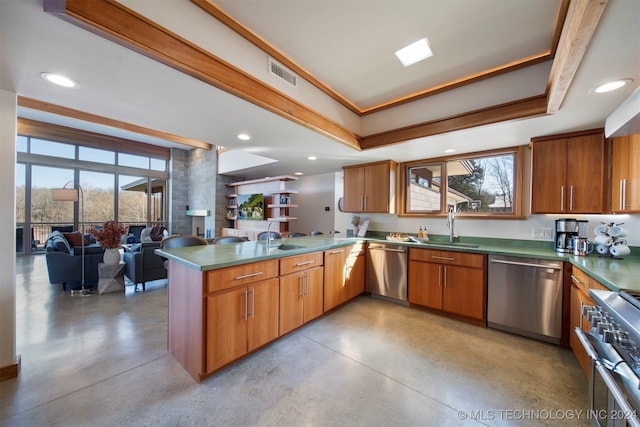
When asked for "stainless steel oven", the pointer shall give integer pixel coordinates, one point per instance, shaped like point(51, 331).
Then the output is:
point(613, 345)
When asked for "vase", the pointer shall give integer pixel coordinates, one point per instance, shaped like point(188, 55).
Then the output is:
point(111, 256)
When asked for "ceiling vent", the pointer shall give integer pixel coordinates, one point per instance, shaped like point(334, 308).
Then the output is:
point(281, 72)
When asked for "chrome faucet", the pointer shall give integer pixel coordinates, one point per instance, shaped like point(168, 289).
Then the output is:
point(450, 220)
point(269, 233)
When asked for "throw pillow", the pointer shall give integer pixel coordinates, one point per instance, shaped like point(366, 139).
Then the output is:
point(75, 238)
point(156, 233)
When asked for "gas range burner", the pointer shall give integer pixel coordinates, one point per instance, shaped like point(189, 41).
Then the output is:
point(631, 296)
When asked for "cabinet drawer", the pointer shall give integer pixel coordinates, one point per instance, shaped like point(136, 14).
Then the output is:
point(300, 262)
point(584, 282)
point(448, 257)
point(230, 277)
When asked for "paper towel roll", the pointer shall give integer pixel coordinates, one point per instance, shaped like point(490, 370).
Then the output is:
point(602, 249)
point(619, 250)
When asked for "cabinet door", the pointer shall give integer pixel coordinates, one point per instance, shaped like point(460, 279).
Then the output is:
point(376, 188)
point(464, 291)
point(625, 174)
point(355, 273)
point(548, 176)
point(334, 276)
point(353, 189)
point(425, 284)
point(585, 174)
point(578, 299)
point(314, 293)
point(262, 320)
point(226, 327)
point(291, 302)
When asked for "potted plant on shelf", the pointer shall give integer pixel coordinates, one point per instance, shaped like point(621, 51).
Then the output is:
point(109, 238)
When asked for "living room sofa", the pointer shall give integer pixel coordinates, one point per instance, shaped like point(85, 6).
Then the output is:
point(64, 261)
point(143, 265)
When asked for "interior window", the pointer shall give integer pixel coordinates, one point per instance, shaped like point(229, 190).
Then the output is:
point(476, 184)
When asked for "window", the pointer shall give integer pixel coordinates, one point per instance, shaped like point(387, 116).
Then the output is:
point(96, 155)
point(477, 184)
point(133, 161)
point(54, 149)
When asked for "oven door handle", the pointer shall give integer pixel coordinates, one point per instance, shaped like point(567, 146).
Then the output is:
point(613, 388)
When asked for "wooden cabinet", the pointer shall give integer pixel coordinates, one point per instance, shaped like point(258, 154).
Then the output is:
point(344, 271)
point(301, 290)
point(568, 173)
point(625, 174)
point(453, 282)
point(241, 311)
point(370, 187)
point(580, 285)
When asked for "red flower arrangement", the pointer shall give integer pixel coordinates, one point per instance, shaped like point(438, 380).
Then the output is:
point(110, 235)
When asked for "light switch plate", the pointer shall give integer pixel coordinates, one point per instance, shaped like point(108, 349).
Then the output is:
point(542, 233)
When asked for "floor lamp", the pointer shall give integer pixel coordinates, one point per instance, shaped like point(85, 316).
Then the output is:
point(65, 194)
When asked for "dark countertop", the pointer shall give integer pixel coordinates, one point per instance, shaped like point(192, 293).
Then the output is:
point(615, 274)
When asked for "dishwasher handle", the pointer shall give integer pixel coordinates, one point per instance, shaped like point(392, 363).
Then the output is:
point(525, 264)
point(382, 248)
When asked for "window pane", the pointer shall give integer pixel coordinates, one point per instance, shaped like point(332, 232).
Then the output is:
point(21, 144)
point(45, 213)
point(158, 164)
point(98, 197)
point(54, 149)
point(481, 184)
point(158, 192)
point(424, 188)
point(132, 199)
point(20, 192)
point(133, 161)
point(95, 155)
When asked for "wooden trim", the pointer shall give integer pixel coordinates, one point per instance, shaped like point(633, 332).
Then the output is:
point(59, 133)
point(528, 107)
point(569, 134)
point(35, 104)
point(10, 371)
point(580, 24)
point(115, 22)
point(561, 17)
point(263, 180)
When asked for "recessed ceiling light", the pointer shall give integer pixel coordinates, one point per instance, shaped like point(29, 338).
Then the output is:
point(415, 52)
point(312, 158)
point(243, 137)
point(298, 173)
point(609, 86)
point(58, 79)
point(450, 150)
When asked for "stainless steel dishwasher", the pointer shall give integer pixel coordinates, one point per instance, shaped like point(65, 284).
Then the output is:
point(524, 296)
point(387, 272)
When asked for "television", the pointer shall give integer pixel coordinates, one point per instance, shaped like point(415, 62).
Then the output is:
point(251, 207)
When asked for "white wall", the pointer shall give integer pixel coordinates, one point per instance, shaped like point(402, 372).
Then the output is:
point(8, 116)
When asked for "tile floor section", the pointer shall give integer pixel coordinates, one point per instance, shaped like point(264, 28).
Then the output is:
point(102, 361)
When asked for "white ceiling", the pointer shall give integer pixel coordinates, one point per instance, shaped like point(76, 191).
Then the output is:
point(349, 46)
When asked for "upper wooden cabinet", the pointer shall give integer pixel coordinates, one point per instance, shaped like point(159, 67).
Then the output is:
point(370, 187)
point(625, 174)
point(568, 173)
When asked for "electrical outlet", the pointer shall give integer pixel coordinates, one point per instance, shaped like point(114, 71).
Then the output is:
point(542, 233)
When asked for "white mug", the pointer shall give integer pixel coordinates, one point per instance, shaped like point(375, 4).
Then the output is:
point(603, 239)
point(602, 249)
point(600, 229)
point(617, 231)
point(619, 250)
point(619, 242)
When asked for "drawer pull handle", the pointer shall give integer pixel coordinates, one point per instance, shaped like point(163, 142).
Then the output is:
point(248, 275)
point(336, 252)
point(574, 279)
point(443, 257)
point(300, 264)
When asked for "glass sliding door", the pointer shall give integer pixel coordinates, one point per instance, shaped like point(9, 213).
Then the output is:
point(47, 215)
point(99, 198)
point(133, 201)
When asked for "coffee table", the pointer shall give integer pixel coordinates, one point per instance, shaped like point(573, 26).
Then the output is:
point(111, 277)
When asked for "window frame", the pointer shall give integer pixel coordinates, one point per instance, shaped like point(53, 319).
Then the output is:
point(518, 185)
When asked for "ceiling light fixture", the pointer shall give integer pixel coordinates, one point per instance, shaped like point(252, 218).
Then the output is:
point(58, 79)
point(415, 52)
point(298, 173)
point(450, 150)
point(312, 158)
point(609, 86)
point(243, 137)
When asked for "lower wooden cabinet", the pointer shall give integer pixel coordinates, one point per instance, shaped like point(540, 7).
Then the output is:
point(240, 320)
point(580, 285)
point(344, 272)
point(453, 282)
point(301, 297)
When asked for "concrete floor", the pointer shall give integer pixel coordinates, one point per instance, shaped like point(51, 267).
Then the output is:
point(102, 360)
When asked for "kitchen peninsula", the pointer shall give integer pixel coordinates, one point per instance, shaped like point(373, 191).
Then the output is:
point(225, 301)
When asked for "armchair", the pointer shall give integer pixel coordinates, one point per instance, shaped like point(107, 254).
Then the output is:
point(64, 262)
point(143, 265)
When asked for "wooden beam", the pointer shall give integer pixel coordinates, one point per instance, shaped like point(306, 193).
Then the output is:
point(112, 20)
point(528, 107)
point(93, 118)
point(580, 24)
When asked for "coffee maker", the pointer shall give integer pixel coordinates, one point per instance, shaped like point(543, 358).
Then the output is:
point(566, 229)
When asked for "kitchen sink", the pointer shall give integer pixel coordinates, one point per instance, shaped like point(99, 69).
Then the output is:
point(287, 247)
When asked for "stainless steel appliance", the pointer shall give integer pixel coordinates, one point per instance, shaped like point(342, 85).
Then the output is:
point(565, 231)
point(524, 296)
point(613, 344)
point(387, 271)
